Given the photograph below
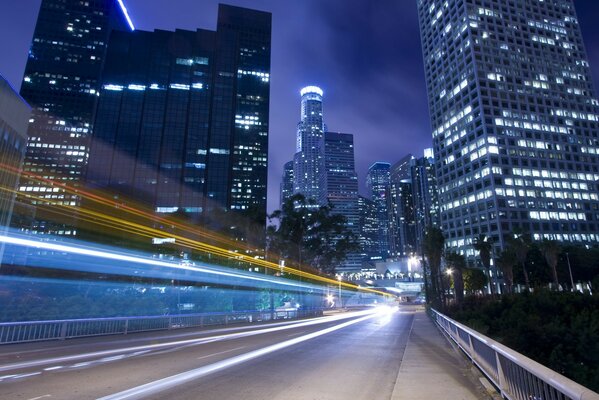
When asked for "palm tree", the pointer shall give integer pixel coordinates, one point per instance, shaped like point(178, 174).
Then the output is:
point(484, 246)
point(434, 241)
point(506, 261)
point(457, 263)
point(551, 251)
point(520, 245)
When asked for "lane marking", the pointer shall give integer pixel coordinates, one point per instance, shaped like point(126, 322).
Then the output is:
point(53, 368)
point(161, 385)
point(41, 397)
point(222, 352)
point(83, 364)
point(6, 377)
point(10, 367)
point(26, 375)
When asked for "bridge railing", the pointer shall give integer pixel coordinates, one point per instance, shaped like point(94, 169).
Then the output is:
point(516, 376)
point(33, 331)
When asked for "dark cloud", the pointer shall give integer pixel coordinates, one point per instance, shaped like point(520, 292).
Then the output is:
point(365, 54)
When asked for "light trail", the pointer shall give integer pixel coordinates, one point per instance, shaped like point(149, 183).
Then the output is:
point(122, 352)
point(185, 377)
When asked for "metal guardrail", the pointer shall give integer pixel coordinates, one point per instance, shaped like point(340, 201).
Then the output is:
point(516, 376)
point(33, 331)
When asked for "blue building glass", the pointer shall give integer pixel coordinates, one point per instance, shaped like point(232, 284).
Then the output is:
point(182, 121)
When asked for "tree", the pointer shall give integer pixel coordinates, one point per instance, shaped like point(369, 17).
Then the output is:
point(551, 251)
point(434, 242)
point(474, 280)
point(311, 235)
point(520, 245)
point(457, 263)
point(484, 246)
point(506, 261)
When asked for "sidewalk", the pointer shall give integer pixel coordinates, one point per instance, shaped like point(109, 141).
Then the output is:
point(432, 369)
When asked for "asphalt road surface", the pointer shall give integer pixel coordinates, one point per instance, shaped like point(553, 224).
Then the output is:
point(353, 355)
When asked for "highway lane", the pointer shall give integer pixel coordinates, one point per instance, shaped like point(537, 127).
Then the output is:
point(345, 356)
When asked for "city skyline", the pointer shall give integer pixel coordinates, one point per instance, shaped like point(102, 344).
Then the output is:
point(343, 68)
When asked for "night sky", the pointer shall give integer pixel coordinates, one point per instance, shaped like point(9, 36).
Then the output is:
point(365, 54)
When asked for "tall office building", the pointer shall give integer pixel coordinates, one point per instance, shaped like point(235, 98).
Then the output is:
point(426, 202)
point(14, 118)
point(308, 162)
point(515, 120)
point(61, 83)
point(182, 121)
point(341, 187)
point(286, 190)
point(377, 182)
point(402, 223)
point(369, 231)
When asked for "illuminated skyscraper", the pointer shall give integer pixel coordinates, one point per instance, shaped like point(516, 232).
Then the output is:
point(61, 83)
point(424, 190)
point(378, 181)
point(515, 120)
point(286, 183)
point(308, 163)
point(402, 225)
point(182, 121)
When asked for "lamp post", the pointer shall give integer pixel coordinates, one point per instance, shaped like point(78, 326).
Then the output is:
point(570, 270)
point(340, 300)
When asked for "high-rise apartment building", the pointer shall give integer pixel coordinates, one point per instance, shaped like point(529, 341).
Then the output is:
point(515, 120)
point(61, 83)
point(377, 182)
point(341, 187)
point(402, 223)
point(286, 190)
point(182, 121)
point(308, 162)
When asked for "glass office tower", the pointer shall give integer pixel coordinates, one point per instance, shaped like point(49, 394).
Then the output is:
point(61, 83)
point(378, 181)
point(182, 121)
point(514, 119)
point(308, 162)
point(286, 188)
point(402, 223)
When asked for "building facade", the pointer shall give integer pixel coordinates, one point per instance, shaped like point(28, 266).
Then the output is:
point(61, 83)
point(424, 190)
point(515, 120)
point(182, 120)
point(378, 180)
point(341, 189)
point(402, 223)
point(286, 190)
point(14, 119)
point(308, 162)
point(369, 231)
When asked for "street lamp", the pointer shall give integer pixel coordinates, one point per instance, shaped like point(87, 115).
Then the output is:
point(340, 300)
point(449, 271)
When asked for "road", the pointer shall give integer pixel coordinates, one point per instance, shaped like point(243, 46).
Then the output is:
point(344, 356)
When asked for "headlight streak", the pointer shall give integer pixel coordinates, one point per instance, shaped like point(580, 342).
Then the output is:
point(185, 377)
point(121, 353)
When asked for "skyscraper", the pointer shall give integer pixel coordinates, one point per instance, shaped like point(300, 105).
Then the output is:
point(515, 120)
point(286, 190)
point(61, 83)
point(341, 186)
point(308, 162)
point(182, 121)
point(368, 232)
point(377, 182)
point(402, 224)
point(424, 189)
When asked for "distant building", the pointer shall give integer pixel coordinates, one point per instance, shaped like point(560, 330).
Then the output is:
point(515, 120)
point(286, 183)
point(182, 120)
point(308, 162)
point(426, 201)
point(377, 182)
point(341, 187)
point(14, 118)
point(369, 231)
point(61, 83)
point(402, 224)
